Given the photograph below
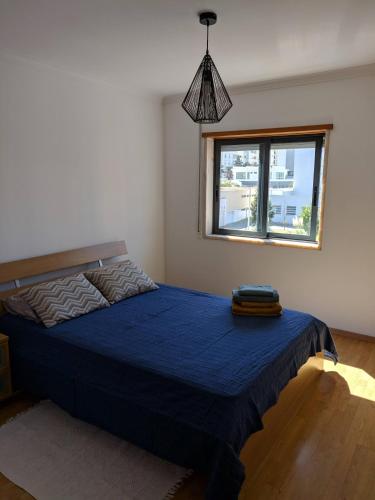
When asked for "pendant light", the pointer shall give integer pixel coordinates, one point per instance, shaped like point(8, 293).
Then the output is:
point(207, 100)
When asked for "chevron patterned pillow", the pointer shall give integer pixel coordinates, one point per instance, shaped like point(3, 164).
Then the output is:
point(17, 305)
point(120, 281)
point(65, 298)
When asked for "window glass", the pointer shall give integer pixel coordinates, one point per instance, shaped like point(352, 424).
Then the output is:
point(269, 188)
point(292, 164)
point(239, 187)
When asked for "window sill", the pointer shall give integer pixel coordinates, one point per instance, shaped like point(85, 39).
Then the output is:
point(272, 242)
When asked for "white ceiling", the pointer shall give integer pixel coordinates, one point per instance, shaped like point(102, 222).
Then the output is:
point(156, 45)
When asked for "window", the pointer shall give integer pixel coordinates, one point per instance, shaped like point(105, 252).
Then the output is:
point(241, 175)
point(290, 174)
point(277, 195)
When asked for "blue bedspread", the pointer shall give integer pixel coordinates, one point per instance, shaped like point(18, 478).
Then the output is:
point(171, 370)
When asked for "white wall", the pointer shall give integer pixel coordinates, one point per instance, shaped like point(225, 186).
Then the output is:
point(335, 284)
point(80, 163)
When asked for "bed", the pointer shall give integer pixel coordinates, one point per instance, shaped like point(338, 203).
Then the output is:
point(171, 370)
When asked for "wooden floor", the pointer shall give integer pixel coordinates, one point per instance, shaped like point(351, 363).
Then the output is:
point(326, 453)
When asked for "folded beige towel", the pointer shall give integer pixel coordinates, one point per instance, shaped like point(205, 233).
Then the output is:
point(266, 306)
point(273, 310)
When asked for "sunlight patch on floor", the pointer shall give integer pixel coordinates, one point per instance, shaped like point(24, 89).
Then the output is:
point(360, 383)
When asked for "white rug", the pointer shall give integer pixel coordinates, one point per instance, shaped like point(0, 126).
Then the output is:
point(56, 457)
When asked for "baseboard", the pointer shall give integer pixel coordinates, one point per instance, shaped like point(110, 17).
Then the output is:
point(352, 335)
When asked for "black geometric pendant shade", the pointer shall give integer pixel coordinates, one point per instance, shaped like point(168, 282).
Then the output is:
point(207, 100)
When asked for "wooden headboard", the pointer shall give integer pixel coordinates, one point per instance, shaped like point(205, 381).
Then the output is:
point(17, 270)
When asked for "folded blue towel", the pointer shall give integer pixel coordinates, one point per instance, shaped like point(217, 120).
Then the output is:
point(255, 290)
point(237, 297)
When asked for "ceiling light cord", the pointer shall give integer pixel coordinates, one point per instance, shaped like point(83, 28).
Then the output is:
point(208, 26)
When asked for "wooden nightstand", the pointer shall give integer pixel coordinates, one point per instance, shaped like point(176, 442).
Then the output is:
point(5, 380)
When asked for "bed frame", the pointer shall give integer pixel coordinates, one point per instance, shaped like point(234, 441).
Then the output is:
point(15, 271)
point(259, 445)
